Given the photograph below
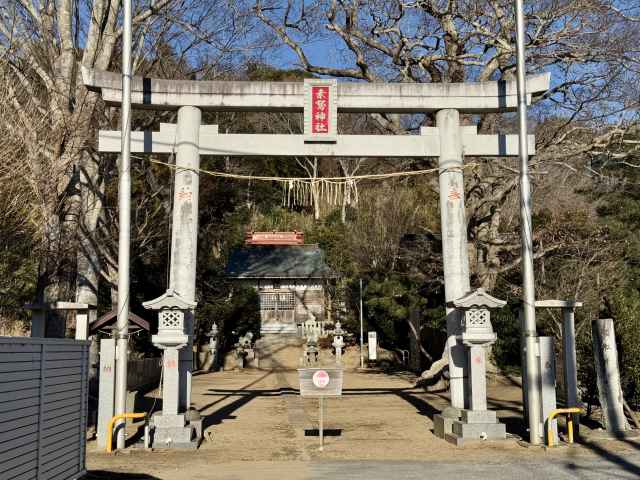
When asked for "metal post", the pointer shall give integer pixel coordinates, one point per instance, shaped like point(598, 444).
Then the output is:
point(528, 293)
point(361, 330)
point(124, 225)
point(321, 430)
point(570, 364)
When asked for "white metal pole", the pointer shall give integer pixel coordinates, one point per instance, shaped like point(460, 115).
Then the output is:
point(570, 364)
point(528, 292)
point(124, 225)
point(361, 330)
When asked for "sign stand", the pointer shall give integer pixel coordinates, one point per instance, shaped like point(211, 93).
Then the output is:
point(320, 383)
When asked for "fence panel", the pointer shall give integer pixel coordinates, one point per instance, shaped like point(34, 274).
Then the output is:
point(43, 408)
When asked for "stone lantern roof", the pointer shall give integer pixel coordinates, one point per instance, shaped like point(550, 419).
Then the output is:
point(169, 300)
point(477, 299)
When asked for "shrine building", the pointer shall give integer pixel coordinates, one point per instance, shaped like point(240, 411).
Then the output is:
point(290, 278)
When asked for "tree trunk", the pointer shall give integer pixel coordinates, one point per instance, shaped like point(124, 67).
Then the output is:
point(88, 256)
point(315, 192)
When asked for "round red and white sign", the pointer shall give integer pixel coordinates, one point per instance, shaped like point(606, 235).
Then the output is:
point(321, 379)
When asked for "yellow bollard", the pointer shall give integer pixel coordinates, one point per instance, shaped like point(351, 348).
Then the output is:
point(563, 411)
point(113, 420)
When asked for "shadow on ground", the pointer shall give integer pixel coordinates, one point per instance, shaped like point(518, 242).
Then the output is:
point(617, 457)
point(246, 394)
point(104, 475)
point(426, 404)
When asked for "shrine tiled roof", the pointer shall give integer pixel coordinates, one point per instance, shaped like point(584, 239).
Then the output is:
point(278, 261)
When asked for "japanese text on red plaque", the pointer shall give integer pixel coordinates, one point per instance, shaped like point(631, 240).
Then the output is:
point(319, 109)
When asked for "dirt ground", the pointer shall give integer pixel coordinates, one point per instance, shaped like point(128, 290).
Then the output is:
point(258, 416)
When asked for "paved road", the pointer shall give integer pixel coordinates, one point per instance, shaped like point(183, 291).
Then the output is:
point(613, 466)
point(588, 469)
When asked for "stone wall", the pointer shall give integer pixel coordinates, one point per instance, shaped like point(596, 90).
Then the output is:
point(143, 374)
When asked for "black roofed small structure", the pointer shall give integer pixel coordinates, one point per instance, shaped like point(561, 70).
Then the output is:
point(107, 322)
point(290, 279)
point(279, 261)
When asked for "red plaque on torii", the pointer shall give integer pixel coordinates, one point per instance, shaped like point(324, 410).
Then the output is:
point(320, 110)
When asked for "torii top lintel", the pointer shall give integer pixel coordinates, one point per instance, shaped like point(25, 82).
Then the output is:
point(480, 97)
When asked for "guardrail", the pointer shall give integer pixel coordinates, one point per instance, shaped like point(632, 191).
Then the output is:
point(113, 420)
point(561, 411)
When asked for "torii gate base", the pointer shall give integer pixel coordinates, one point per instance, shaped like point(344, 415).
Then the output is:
point(321, 101)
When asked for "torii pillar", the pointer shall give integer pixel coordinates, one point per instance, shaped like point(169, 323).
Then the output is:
point(454, 245)
point(184, 233)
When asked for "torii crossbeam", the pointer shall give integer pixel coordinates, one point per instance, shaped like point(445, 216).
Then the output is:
point(210, 142)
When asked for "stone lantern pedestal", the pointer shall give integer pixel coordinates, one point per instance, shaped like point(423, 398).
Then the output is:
point(170, 427)
point(474, 422)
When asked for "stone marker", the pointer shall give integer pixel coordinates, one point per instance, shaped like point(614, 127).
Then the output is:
point(609, 389)
point(106, 388)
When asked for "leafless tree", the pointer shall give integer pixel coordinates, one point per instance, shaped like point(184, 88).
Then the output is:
point(43, 44)
point(350, 167)
point(588, 46)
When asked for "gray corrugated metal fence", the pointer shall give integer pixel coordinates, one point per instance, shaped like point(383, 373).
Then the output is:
point(43, 408)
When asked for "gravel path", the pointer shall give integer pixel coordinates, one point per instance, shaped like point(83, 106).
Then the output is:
point(260, 428)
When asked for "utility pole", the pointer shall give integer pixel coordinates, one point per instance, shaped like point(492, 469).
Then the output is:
point(124, 226)
point(361, 330)
point(528, 292)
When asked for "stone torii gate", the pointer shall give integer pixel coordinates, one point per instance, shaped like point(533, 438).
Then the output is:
point(320, 100)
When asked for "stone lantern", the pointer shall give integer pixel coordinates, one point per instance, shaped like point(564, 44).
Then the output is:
point(213, 336)
point(338, 341)
point(170, 426)
point(213, 343)
point(474, 422)
point(477, 334)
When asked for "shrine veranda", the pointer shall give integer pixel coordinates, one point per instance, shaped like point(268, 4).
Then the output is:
point(321, 101)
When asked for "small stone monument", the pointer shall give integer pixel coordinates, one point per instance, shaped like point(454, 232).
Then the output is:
point(474, 422)
point(311, 352)
point(338, 342)
point(170, 426)
point(244, 350)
